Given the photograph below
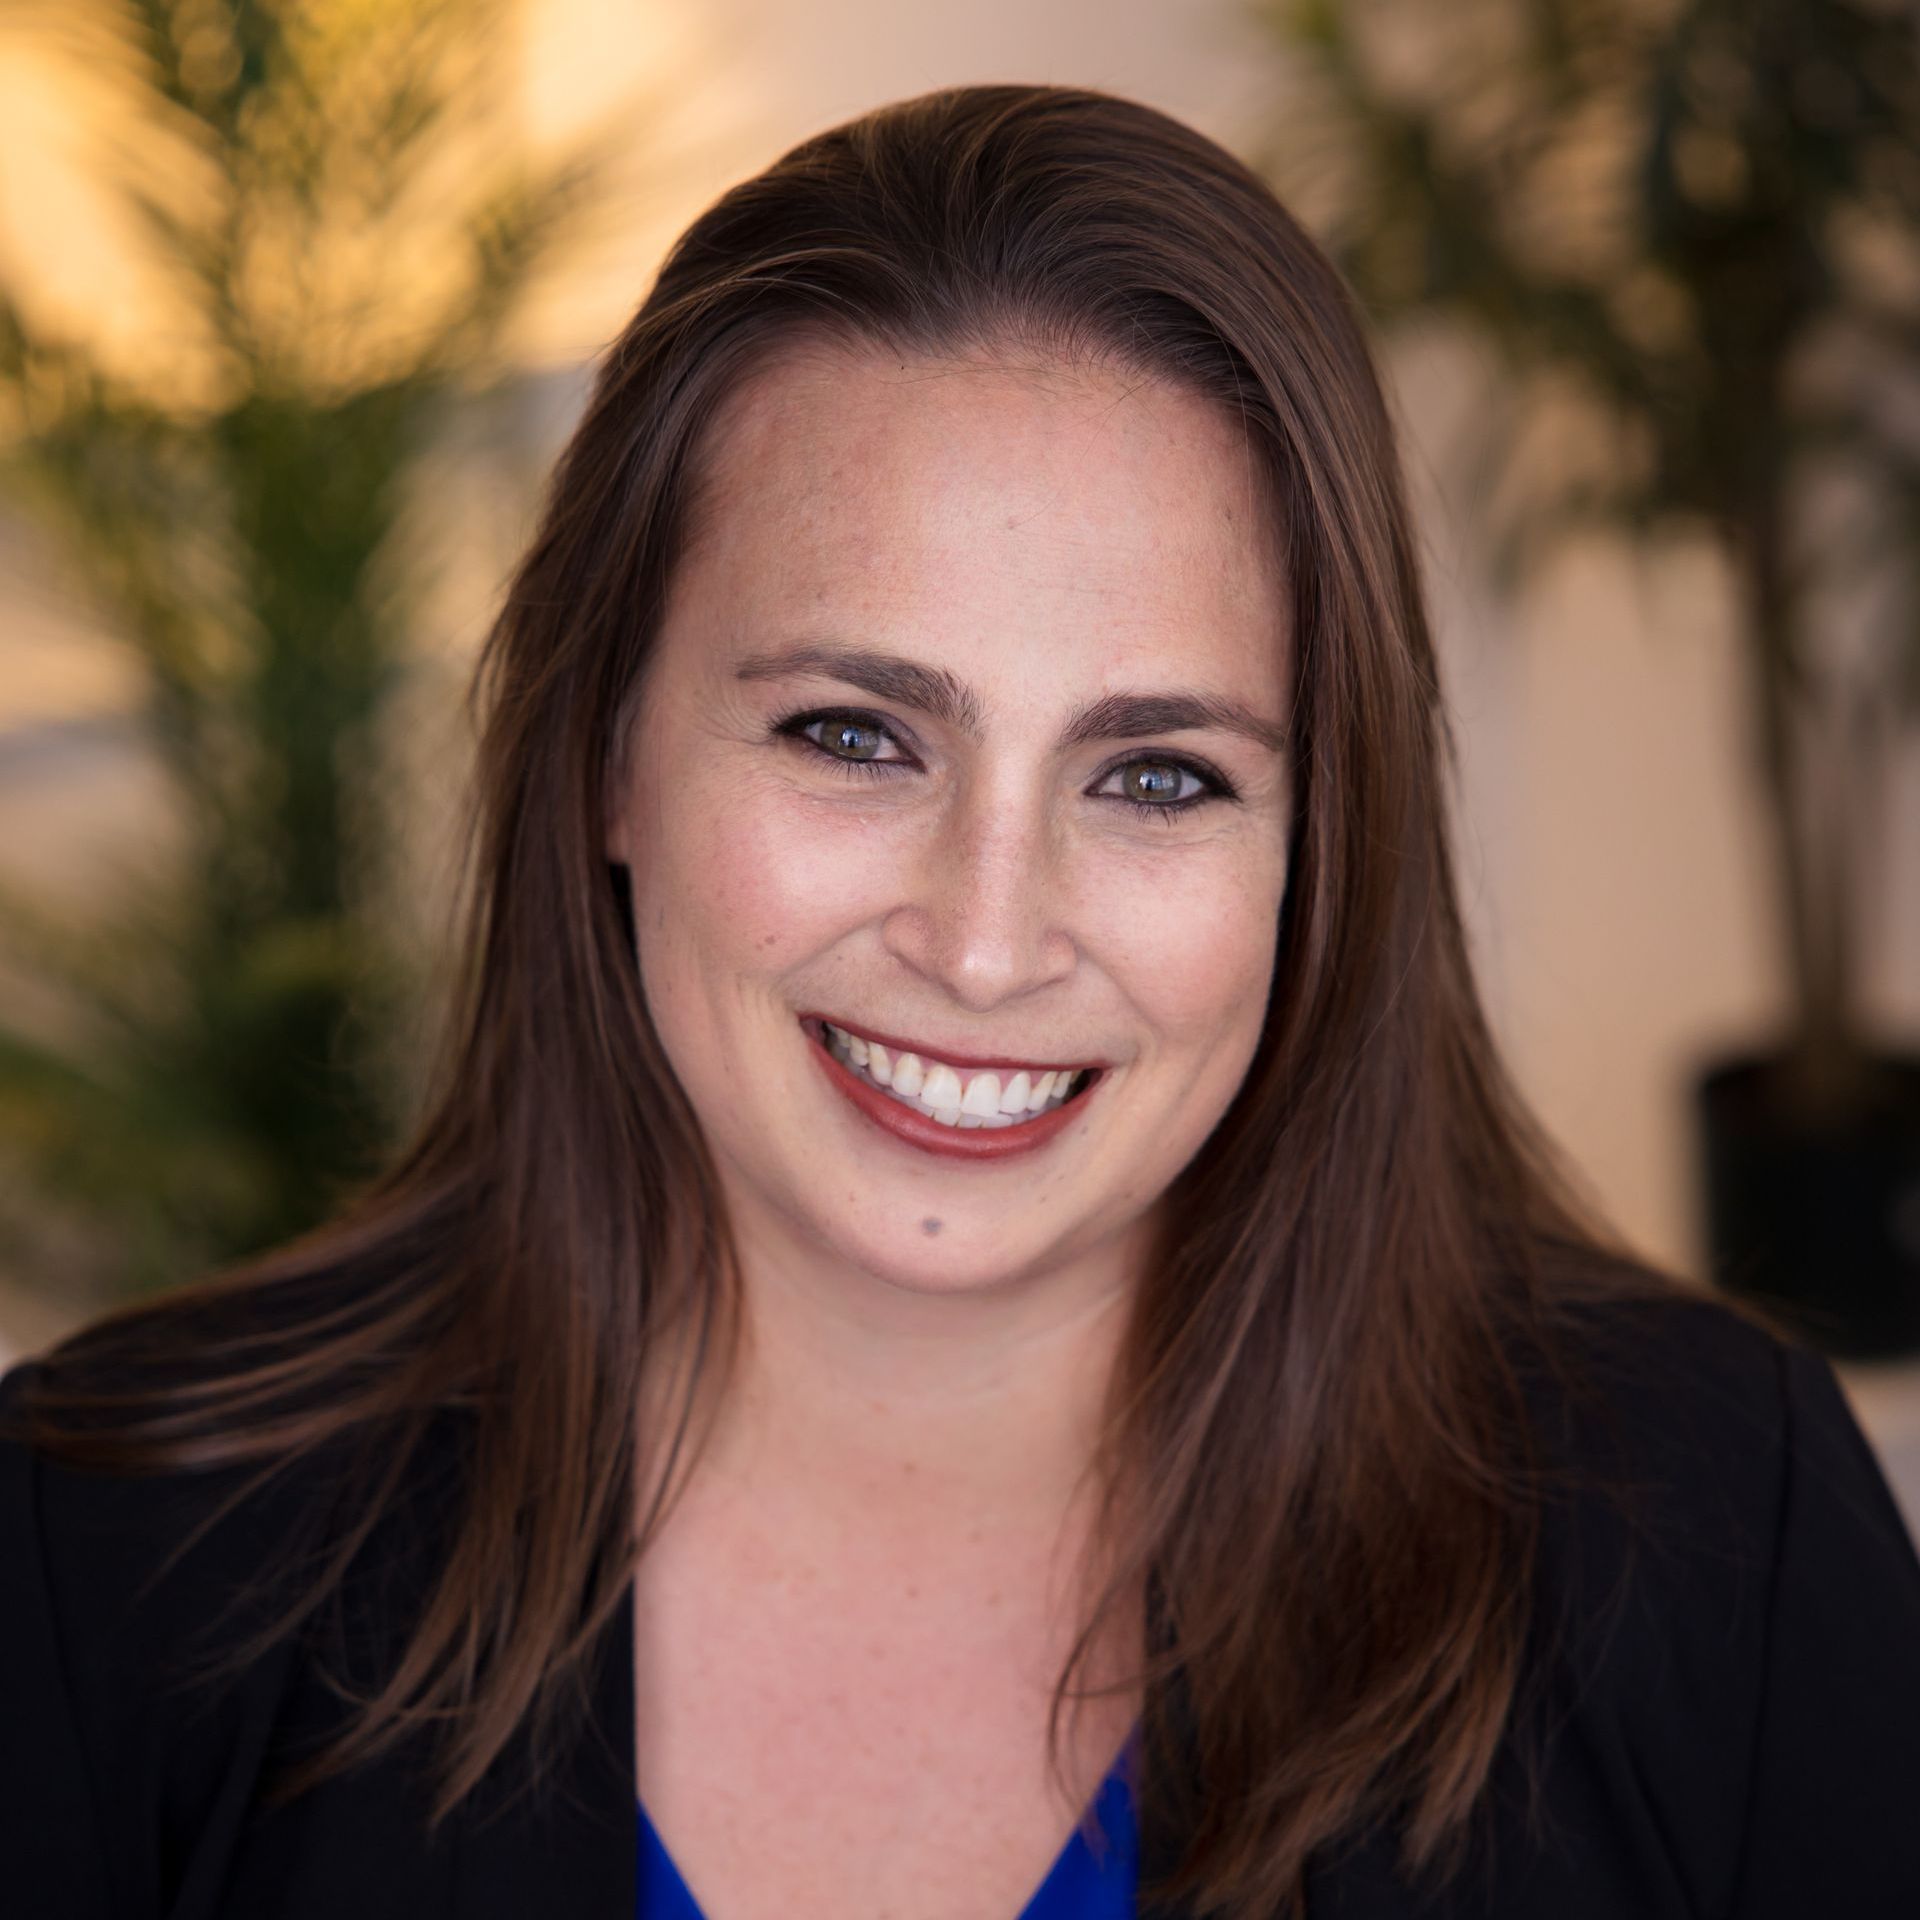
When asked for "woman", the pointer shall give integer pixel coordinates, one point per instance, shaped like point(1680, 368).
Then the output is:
point(974, 1327)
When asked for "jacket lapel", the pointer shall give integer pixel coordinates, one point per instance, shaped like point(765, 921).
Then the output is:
point(574, 1850)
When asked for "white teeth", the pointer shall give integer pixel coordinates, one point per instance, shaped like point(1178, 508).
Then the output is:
point(983, 1095)
point(941, 1088)
point(937, 1090)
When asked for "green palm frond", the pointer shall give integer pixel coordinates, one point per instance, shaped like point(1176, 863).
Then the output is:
point(349, 235)
point(1681, 211)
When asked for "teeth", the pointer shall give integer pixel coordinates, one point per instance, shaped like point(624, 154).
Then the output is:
point(942, 1088)
point(982, 1095)
point(937, 1089)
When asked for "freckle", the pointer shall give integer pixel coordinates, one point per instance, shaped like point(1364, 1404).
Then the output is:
point(929, 1226)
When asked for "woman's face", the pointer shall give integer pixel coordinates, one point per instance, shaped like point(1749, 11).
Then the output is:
point(899, 766)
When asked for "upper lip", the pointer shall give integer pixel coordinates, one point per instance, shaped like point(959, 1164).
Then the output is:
point(954, 1056)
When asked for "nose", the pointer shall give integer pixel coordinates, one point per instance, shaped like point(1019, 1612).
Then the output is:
point(981, 915)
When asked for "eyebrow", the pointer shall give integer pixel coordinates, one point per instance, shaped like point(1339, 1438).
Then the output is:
point(936, 691)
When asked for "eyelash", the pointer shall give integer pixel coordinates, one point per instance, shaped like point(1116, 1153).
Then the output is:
point(793, 727)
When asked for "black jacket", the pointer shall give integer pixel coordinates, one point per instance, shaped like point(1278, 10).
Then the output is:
point(1731, 1726)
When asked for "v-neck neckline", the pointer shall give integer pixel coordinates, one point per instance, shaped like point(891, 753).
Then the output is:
point(1082, 1883)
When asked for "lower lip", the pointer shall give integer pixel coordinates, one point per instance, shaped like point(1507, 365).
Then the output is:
point(955, 1143)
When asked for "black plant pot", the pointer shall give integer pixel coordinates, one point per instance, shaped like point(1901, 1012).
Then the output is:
point(1819, 1221)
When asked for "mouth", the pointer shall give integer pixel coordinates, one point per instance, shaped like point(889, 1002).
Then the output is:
point(942, 1106)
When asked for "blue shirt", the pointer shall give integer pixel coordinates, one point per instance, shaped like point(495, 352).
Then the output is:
point(1081, 1885)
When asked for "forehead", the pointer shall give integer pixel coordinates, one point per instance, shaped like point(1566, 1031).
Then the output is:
point(938, 492)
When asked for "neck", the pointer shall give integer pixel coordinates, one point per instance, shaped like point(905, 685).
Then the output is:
point(904, 1438)
point(982, 1410)
point(918, 1415)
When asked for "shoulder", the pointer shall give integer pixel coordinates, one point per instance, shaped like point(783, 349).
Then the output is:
point(148, 1553)
point(92, 1621)
point(1681, 1438)
point(1660, 1429)
point(128, 1561)
point(1732, 1604)
point(1703, 1437)
point(137, 1721)
point(1664, 1368)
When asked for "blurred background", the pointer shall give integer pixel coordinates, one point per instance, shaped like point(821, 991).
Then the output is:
point(298, 302)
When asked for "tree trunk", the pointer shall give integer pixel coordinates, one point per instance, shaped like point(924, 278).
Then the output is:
point(1824, 1065)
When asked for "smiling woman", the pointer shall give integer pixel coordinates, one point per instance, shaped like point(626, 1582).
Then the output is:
point(974, 1327)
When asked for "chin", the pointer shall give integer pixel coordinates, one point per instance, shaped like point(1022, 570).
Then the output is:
point(937, 1251)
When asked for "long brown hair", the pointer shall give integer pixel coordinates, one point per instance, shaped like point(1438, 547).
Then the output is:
point(1334, 1486)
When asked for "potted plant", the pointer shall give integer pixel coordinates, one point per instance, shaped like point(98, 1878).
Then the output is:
point(1703, 218)
point(345, 231)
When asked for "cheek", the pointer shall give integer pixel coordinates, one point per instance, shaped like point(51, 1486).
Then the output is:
point(1191, 942)
point(755, 878)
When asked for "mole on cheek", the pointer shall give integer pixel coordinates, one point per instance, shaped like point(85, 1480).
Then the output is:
point(929, 1226)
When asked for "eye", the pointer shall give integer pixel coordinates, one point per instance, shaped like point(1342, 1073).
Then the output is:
point(843, 741)
point(851, 740)
point(1163, 777)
